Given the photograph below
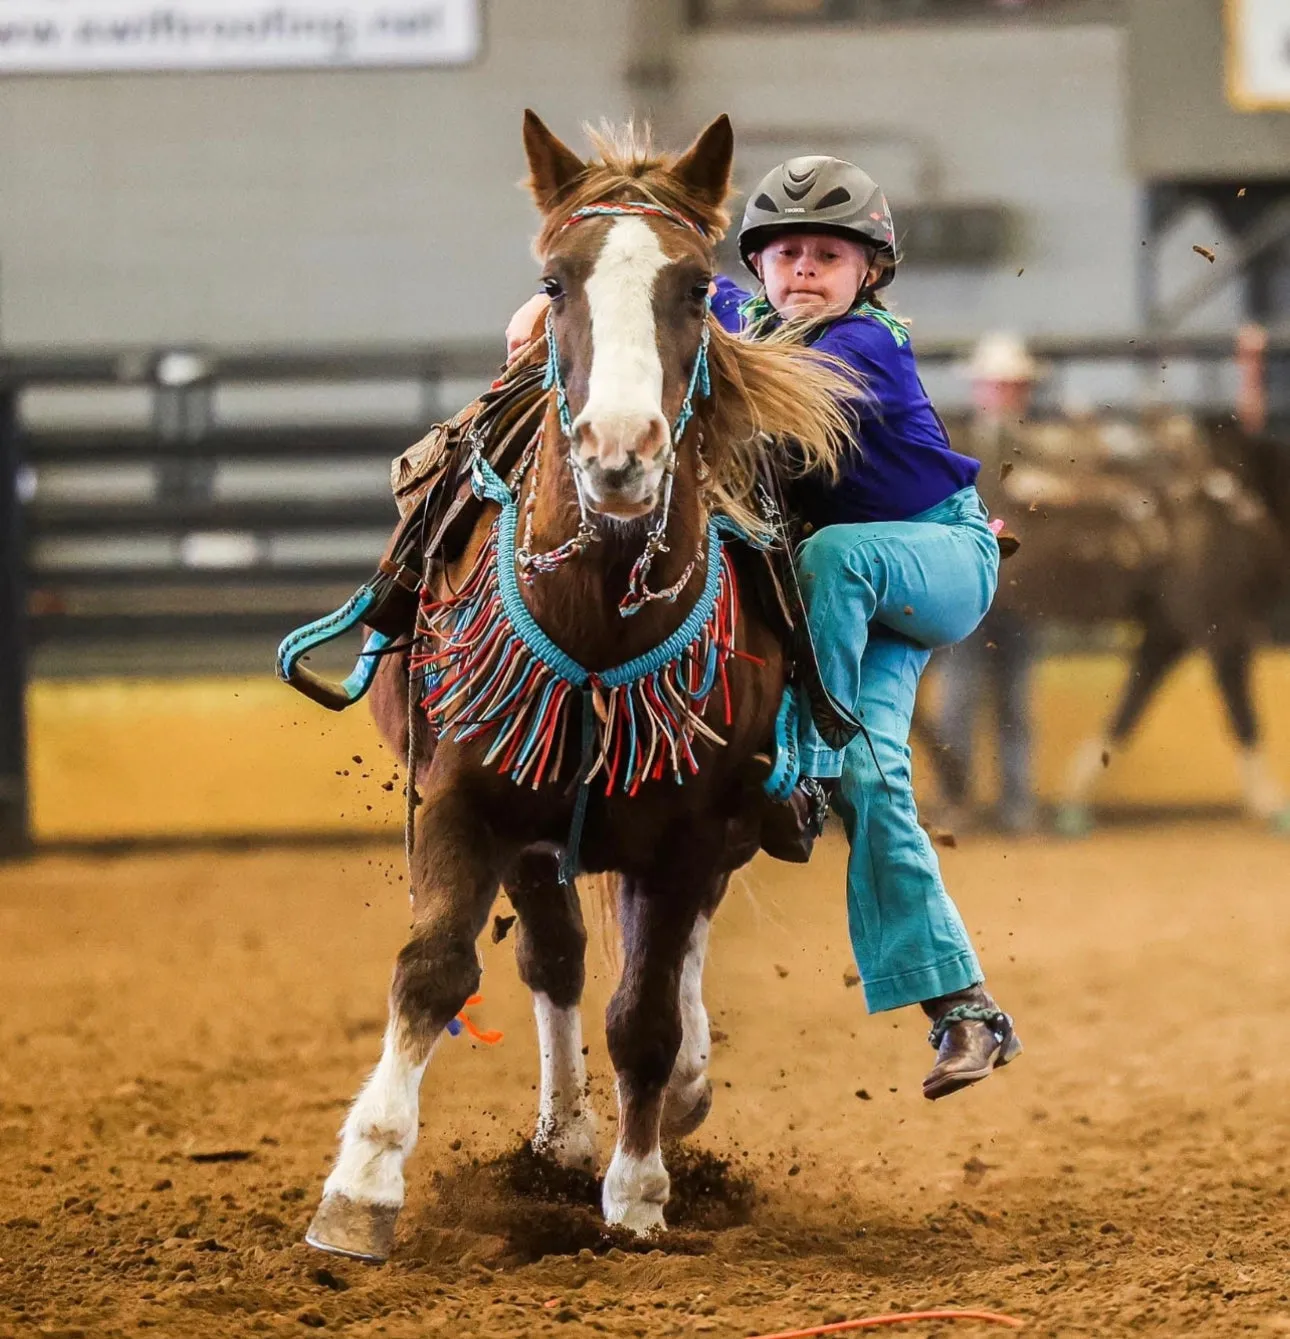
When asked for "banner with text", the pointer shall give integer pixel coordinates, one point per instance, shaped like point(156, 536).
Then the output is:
point(1258, 54)
point(66, 36)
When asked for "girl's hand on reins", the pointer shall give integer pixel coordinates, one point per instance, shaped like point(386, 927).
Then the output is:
point(523, 327)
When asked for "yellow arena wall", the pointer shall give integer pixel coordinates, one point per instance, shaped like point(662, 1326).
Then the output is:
point(222, 757)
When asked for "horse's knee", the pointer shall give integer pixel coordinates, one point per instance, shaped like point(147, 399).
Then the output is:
point(643, 1041)
point(433, 978)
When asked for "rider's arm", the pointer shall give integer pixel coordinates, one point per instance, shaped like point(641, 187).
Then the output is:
point(727, 298)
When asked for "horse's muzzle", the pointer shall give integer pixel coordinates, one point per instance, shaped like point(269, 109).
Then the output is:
point(622, 458)
point(625, 491)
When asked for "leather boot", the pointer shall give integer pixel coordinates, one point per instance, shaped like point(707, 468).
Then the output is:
point(789, 829)
point(972, 1037)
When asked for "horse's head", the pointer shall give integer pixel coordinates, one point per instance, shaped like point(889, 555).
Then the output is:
point(629, 303)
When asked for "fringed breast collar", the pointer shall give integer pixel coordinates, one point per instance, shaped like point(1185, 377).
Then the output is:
point(489, 670)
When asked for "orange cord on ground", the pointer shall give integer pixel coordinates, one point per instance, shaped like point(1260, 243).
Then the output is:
point(899, 1318)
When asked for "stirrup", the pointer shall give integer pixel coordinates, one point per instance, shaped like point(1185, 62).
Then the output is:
point(333, 696)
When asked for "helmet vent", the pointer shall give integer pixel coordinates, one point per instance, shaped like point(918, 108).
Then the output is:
point(763, 201)
point(839, 195)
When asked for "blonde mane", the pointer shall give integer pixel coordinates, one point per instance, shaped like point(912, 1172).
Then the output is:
point(777, 399)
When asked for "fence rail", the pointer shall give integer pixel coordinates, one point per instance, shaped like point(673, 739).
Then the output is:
point(185, 539)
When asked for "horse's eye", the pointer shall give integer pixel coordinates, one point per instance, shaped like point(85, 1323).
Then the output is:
point(552, 287)
point(700, 291)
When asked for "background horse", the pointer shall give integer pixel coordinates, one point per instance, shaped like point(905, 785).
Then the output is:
point(1193, 547)
point(626, 245)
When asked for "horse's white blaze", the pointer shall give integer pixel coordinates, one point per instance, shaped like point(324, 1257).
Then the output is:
point(566, 1128)
point(690, 1071)
point(380, 1130)
point(635, 1191)
point(625, 387)
point(1264, 797)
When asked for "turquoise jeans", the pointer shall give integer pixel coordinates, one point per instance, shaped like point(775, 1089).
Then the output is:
point(880, 598)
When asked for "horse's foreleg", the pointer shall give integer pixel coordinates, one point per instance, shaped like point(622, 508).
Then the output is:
point(454, 880)
point(1264, 798)
point(550, 951)
point(688, 1098)
point(644, 1030)
point(1160, 650)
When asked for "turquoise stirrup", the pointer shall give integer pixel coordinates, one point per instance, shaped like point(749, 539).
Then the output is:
point(333, 696)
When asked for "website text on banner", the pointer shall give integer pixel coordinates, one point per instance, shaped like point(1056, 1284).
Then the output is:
point(69, 36)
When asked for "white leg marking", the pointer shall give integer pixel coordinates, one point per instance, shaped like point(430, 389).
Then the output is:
point(625, 385)
point(688, 1083)
point(1083, 770)
point(380, 1131)
point(1264, 797)
point(566, 1128)
point(636, 1190)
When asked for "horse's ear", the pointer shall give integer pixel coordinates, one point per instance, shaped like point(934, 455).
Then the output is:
point(553, 166)
point(704, 168)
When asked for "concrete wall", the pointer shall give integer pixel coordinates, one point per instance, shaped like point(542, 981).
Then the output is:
point(1176, 57)
point(378, 206)
point(1029, 115)
point(312, 206)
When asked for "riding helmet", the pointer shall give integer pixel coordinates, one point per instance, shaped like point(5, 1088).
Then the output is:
point(819, 194)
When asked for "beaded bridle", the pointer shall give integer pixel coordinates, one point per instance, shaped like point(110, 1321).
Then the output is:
point(531, 564)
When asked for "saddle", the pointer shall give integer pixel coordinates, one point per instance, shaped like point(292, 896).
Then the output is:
point(431, 485)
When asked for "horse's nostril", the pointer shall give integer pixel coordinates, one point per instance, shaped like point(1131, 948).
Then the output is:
point(657, 435)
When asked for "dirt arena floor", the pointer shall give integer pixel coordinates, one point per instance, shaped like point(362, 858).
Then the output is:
point(180, 1033)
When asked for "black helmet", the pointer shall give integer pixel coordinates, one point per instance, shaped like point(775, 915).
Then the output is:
point(819, 194)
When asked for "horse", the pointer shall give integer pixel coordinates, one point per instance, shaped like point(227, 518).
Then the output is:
point(603, 550)
point(1191, 546)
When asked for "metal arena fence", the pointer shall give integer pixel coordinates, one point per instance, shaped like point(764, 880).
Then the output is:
point(175, 510)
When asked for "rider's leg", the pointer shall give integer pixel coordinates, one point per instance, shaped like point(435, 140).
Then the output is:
point(909, 940)
point(929, 580)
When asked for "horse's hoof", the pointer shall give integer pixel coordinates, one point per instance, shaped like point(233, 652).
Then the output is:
point(1073, 820)
point(643, 1218)
point(573, 1148)
point(634, 1192)
point(677, 1124)
point(343, 1226)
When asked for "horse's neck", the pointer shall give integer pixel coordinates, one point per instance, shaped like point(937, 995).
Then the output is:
point(578, 604)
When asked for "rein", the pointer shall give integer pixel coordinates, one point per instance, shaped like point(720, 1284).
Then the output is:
point(699, 388)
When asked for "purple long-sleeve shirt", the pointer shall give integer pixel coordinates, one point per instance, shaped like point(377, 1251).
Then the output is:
point(900, 462)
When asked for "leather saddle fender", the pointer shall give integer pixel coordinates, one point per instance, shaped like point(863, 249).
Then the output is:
point(774, 578)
